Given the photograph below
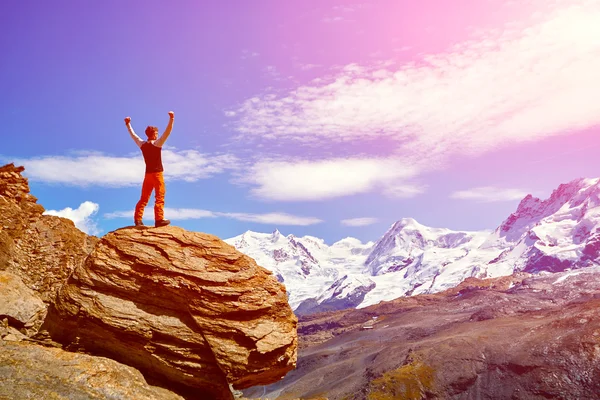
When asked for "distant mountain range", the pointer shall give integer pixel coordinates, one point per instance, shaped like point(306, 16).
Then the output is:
point(556, 234)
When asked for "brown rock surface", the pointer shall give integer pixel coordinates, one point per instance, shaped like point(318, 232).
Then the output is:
point(41, 249)
point(29, 371)
point(520, 337)
point(182, 307)
point(21, 307)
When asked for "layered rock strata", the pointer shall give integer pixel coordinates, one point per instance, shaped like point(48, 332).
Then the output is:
point(42, 250)
point(180, 306)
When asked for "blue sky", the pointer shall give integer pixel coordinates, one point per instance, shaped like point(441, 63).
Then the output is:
point(327, 118)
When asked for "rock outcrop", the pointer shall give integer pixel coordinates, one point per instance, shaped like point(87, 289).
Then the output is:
point(181, 307)
point(30, 371)
point(41, 249)
point(187, 310)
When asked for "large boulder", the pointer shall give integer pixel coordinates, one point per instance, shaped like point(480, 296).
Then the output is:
point(30, 371)
point(183, 307)
point(42, 250)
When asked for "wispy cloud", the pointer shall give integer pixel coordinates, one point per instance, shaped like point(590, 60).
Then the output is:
point(333, 19)
point(339, 11)
point(81, 216)
point(271, 71)
point(349, 8)
point(84, 169)
point(359, 221)
point(324, 179)
point(274, 218)
point(246, 54)
point(170, 213)
point(499, 89)
point(489, 194)
point(308, 67)
point(404, 190)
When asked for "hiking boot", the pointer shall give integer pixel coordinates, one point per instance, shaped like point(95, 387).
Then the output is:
point(162, 222)
point(139, 223)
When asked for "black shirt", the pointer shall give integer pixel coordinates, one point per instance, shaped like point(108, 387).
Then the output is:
point(152, 157)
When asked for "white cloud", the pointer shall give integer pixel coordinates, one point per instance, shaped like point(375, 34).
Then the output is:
point(499, 89)
point(404, 191)
point(82, 216)
point(324, 179)
point(274, 218)
point(170, 213)
point(359, 221)
point(489, 194)
point(124, 214)
point(84, 169)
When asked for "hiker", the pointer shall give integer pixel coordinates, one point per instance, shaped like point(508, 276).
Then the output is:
point(153, 179)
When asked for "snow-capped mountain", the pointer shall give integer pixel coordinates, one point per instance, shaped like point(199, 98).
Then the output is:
point(306, 265)
point(559, 233)
point(411, 258)
point(551, 235)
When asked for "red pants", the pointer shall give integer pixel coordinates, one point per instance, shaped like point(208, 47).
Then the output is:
point(152, 181)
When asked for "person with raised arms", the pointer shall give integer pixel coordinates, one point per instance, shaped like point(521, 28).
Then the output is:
point(153, 178)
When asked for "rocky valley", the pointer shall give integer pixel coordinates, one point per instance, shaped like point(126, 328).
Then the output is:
point(516, 337)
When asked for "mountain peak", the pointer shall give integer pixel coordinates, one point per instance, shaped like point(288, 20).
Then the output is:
point(529, 202)
point(407, 223)
point(531, 209)
point(567, 190)
point(275, 235)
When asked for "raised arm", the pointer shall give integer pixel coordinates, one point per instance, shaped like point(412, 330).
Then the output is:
point(163, 138)
point(135, 137)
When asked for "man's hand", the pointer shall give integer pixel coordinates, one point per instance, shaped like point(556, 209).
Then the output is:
point(127, 120)
point(171, 114)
